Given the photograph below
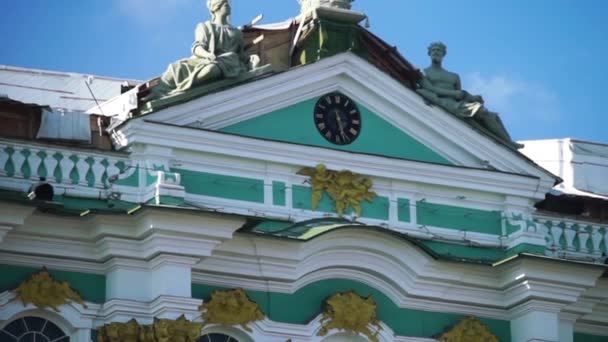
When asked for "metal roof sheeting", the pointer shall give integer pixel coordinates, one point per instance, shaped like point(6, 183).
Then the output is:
point(59, 90)
point(583, 165)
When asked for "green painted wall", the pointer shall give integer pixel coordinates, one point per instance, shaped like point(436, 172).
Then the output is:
point(230, 187)
point(278, 193)
point(302, 199)
point(445, 216)
point(295, 124)
point(403, 210)
point(377, 209)
point(91, 287)
point(309, 303)
point(589, 338)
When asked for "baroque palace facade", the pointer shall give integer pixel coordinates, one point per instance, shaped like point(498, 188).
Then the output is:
point(300, 181)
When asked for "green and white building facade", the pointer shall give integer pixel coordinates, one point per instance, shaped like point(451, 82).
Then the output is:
point(206, 194)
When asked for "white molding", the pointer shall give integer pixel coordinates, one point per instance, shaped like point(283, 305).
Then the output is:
point(169, 307)
point(294, 155)
point(409, 277)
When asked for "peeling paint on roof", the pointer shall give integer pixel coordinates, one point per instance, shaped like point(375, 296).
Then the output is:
point(59, 90)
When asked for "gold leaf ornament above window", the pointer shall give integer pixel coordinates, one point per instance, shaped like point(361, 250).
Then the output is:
point(469, 329)
point(42, 290)
point(351, 313)
point(231, 308)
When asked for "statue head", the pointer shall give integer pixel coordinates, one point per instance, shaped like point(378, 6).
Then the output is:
point(218, 7)
point(437, 50)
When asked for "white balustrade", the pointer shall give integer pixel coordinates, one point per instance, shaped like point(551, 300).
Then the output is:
point(58, 165)
point(574, 238)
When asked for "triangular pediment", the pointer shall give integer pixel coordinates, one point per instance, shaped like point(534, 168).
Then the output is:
point(397, 123)
point(296, 124)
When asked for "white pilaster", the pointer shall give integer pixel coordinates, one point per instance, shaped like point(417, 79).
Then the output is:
point(536, 322)
point(143, 281)
point(566, 328)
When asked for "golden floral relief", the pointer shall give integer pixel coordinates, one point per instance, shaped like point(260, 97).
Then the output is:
point(163, 330)
point(351, 313)
point(469, 329)
point(42, 290)
point(231, 308)
point(345, 188)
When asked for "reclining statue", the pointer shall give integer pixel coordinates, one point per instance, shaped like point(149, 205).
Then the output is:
point(217, 53)
point(443, 88)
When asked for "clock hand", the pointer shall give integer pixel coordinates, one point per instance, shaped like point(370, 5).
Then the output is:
point(339, 121)
point(341, 127)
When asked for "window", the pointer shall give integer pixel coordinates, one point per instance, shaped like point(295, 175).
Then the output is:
point(217, 338)
point(32, 329)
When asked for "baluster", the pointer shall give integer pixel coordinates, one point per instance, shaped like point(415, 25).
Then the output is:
point(556, 234)
point(73, 174)
point(583, 237)
point(596, 238)
point(26, 168)
point(89, 176)
point(82, 168)
point(35, 163)
point(18, 159)
point(98, 169)
point(42, 170)
point(105, 175)
point(570, 235)
point(66, 166)
point(54, 166)
point(4, 158)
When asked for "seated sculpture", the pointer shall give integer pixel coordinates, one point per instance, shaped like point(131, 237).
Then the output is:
point(217, 53)
point(443, 88)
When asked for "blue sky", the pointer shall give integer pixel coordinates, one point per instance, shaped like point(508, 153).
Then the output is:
point(540, 63)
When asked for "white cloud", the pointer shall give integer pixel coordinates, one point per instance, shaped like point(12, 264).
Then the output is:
point(515, 98)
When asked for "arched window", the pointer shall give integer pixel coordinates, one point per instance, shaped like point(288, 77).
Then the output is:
point(30, 329)
point(215, 337)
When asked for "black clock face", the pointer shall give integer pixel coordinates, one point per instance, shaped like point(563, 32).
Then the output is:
point(337, 118)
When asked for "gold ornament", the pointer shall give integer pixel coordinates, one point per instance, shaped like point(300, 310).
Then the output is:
point(346, 189)
point(163, 330)
point(119, 332)
point(352, 313)
point(231, 308)
point(469, 329)
point(42, 290)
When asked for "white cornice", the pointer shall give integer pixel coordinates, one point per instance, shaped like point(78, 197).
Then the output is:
point(280, 153)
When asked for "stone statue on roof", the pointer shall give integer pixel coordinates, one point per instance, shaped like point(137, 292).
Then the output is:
point(217, 54)
point(311, 4)
point(443, 88)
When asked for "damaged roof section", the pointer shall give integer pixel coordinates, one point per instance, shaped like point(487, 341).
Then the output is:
point(50, 106)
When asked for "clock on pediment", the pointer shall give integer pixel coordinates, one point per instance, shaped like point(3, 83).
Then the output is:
point(337, 118)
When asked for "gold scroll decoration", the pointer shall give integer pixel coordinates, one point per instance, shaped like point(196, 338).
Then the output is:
point(163, 330)
point(42, 290)
point(351, 313)
point(346, 189)
point(469, 329)
point(231, 308)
